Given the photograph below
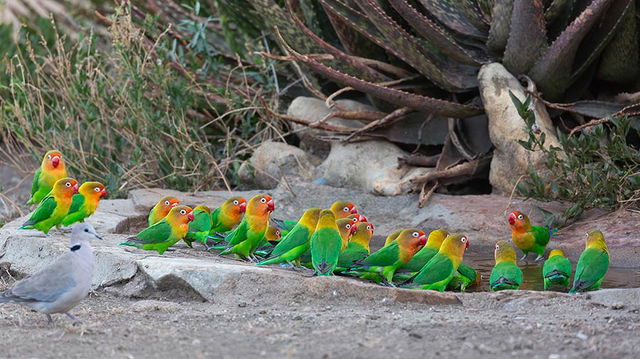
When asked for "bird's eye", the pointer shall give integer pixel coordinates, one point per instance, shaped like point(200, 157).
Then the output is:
point(49, 156)
point(497, 246)
point(236, 202)
point(86, 230)
point(346, 209)
point(68, 184)
point(263, 200)
point(182, 211)
point(348, 226)
point(415, 234)
point(166, 203)
point(520, 216)
point(368, 228)
point(463, 239)
point(97, 189)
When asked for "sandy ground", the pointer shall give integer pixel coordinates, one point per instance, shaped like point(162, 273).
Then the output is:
point(485, 326)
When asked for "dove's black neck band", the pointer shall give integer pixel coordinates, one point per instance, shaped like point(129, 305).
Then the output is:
point(75, 247)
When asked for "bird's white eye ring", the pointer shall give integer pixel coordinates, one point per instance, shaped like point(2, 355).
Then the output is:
point(520, 216)
point(263, 200)
point(49, 156)
point(415, 234)
point(68, 184)
point(346, 209)
point(97, 189)
point(235, 201)
point(368, 228)
point(166, 203)
point(182, 211)
point(497, 247)
point(463, 239)
point(348, 226)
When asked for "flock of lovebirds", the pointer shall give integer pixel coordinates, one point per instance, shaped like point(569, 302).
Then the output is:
point(329, 241)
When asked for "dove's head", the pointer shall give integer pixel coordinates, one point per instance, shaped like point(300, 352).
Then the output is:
point(83, 232)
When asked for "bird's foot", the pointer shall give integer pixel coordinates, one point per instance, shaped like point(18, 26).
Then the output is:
point(524, 257)
point(539, 257)
point(76, 321)
point(288, 265)
point(388, 284)
point(93, 293)
point(170, 249)
point(49, 319)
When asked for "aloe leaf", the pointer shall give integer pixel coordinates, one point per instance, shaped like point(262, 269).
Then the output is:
point(433, 33)
point(500, 25)
point(527, 36)
point(454, 14)
point(590, 108)
point(619, 62)
point(552, 71)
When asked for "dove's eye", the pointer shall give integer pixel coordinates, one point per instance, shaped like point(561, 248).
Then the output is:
point(86, 230)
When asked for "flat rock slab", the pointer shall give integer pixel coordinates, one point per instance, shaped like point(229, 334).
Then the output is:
point(616, 298)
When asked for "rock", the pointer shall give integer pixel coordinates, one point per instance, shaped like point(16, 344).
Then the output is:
point(272, 161)
point(510, 159)
point(312, 109)
point(369, 165)
point(616, 298)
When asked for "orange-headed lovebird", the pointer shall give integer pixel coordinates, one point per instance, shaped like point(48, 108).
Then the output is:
point(165, 233)
point(161, 209)
point(85, 202)
point(527, 237)
point(51, 170)
point(54, 207)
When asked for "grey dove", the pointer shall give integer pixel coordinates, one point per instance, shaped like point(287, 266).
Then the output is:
point(61, 285)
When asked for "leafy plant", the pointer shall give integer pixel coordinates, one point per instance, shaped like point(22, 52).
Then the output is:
point(594, 168)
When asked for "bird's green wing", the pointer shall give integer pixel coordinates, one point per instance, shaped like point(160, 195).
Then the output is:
point(541, 235)
point(592, 266)
point(298, 236)
point(325, 249)
point(36, 182)
point(419, 260)
point(201, 222)
point(437, 269)
point(239, 234)
point(76, 202)
point(385, 256)
point(351, 254)
point(507, 270)
point(467, 271)
point(44, 211)
point(556, 263)
point(215, 218)
point(159, 232)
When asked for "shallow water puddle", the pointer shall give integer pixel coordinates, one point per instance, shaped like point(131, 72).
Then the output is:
point(617, 277)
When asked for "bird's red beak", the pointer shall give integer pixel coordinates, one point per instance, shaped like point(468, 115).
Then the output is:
point(467, 246)
point(190, 216)
point(422, 240)
point(243, 207)
point(173, 204)
point(75, 188)
point(271, 206)
point(353, 229)
point(512, 219)
point(362, 218)
point(354, 210)
point(55, 161)
point(103, 193)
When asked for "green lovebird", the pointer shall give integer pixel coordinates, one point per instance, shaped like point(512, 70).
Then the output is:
point(161, 209)
point(505, 274)
point(54, 207)
point(250, 233)
point(527, 237)
point(297, 241)
point(343, 209)
point(162, 235)
point(392, 237)
point(465, 277)
point(387, 260)
point(228, 215)
point(200, 226)
point(85, 202)
point(439, 271)
point(556, 270)
point(358, 246)
point(346, 227)
point(434, 241)
point(592, 264)
point(51, 170)
point(325, 244)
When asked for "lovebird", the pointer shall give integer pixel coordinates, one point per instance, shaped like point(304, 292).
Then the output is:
point(85, 202)
point(273, 235)
point(54, 207)
point(200, 226)
point(51, 170)
point(325, 244)
point(165, 233)
point(342, 209)
point(58, 287)
point(358, 246)
point(556, 270)
point(592, 264)
point(161, 209)
point(228, 215)
point(527, 237)
point(297, 241)
point(387, 260)
point(465, 277)
point(505, 274)
point(439, 271)
point(346, 227)
point(250, 233)
point(434, 241)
